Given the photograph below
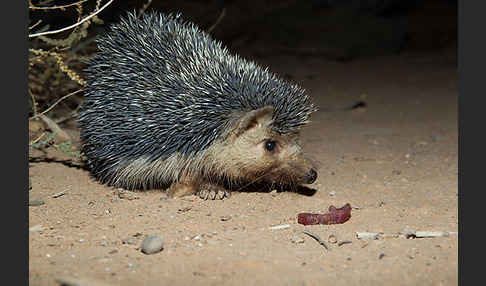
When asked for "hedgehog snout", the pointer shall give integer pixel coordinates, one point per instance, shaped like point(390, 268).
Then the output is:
point(311, 176)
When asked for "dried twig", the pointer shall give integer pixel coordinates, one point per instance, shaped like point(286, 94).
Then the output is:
point(59, 194)
point(144, 7)
point(221, 16)
point(69, 116)
point(277, 227)
point(317, 238)
point(344, 242)
point(37, 139)
point(421, 234)
point(55, 103)
point(61, 134)
point(367, 235)
point(31, 6)
point(34, 103)
point(404, 233)
point(36, 24)
point(73, 25)
point(60, 62)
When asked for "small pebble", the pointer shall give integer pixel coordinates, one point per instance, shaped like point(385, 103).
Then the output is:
point(164, 197)
point(332, 193)
point(152, 244)
point(225, 218)
point(138, 234)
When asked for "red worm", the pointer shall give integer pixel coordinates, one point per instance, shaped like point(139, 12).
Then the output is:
point(334, 216)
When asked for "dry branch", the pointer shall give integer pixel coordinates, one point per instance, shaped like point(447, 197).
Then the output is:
point(73, 25)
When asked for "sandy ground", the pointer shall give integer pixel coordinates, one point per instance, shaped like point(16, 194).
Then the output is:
point(395, 162)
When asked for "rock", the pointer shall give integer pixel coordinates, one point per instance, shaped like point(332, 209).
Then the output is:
point(225, 218)
point(164, 197)
point(152, 244)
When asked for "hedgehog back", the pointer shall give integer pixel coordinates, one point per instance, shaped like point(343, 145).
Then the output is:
point(159, 85)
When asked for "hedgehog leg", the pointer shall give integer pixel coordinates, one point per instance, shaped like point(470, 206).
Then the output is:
point(208, 191)
point(181, 189)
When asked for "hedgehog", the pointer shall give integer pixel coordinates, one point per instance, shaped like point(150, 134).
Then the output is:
point(168, 107)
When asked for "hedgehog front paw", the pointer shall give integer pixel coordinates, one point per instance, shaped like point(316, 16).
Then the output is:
point(213, 192)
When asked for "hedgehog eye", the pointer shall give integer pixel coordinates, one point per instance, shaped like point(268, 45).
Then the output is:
point(270, 145)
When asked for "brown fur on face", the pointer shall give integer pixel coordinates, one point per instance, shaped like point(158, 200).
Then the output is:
point(242, 154)
point(239, 156)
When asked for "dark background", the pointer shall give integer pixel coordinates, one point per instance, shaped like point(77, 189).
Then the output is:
point(336, 29)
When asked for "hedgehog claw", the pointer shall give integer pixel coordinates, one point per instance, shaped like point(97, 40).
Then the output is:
point(212, 192)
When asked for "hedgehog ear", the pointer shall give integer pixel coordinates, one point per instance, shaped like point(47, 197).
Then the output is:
point(254, 118)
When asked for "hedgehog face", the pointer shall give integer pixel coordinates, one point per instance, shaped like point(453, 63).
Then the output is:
point(254, 152)
point(285, 160)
